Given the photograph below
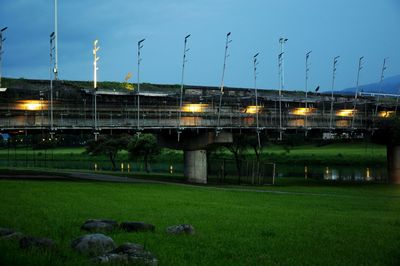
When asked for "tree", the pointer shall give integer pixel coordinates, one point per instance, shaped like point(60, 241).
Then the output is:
point(237, 147)
point(144, 146)
point(109, 146)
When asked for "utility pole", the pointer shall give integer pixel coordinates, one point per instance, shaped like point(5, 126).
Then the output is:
point(95, 68)
point(185, 50)
point(53, 71)
point(139, 59)
point(335, 61)
point(227, 42)
point(56, 39)
point(360, 66)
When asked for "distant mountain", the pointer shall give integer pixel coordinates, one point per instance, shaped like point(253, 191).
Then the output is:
point(390, 85)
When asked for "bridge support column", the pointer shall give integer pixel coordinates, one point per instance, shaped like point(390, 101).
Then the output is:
point(393, 159)
point(195, 168)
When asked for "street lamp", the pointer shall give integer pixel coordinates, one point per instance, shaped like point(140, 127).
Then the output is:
point(335, 61)
point(360, 66)
point(181, 94)
point(53, 71)
point(56, 39)
point(139, 59)
point(282, 42)
point(306, 87)
point(95, 68)
point(255, 64)
point(227, 42)
point(380, 84)
point(1, 53)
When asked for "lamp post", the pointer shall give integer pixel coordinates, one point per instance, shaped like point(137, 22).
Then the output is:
point(335, 61)
point(53, 71)
point(56, 39)
point(95, 68)
point(380, 84)
point(139, 59)
point(306, 87)
point(1, 50)
point(255, 63)
point(360, 66)
point(282, 42)
point(227, 42)
point(185, 50)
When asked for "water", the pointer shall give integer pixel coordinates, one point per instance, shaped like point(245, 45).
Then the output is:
point(334, 173)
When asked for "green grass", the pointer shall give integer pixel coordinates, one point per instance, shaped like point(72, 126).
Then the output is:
point(344, 225)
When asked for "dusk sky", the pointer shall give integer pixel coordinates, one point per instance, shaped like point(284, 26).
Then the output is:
point(348, 28)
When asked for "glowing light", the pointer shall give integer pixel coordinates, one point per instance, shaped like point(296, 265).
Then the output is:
point(346, 112)
point(302, 111)
point(386, 114)
point(32, 105)
point(253, 109)
point(194, 107)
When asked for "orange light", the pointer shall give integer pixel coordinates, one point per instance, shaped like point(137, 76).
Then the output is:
point(346, 112)
point(32, 105)
point(386, 114)
point(253, 109)
point(302, 111)
point(194, 107)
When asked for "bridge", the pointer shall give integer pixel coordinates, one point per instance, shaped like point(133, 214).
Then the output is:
point(204, 116)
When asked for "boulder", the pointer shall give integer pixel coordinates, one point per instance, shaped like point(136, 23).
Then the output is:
point(93, 244)
point(179, 229)
point(39, 242)
point(16, 236)
point(99, 225)
point(137, 227)
point(128, 253)
point(6, 231)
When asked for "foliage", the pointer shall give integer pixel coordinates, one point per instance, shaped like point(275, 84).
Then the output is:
point(389, 132)
point(108, 145)
point(237, 148)
point(144, 146)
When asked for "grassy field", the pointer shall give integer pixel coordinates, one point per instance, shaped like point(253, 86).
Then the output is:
point(322, 224)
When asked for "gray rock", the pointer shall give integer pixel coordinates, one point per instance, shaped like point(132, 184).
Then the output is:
point(99, 225)
point(39, 242)
point(16, 236)
point(93, 244)
point(128, 253)
point(6, 231)
point(179, 229)
point(137, 226)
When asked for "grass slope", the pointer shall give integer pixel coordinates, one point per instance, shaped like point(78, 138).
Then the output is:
point(346, 225)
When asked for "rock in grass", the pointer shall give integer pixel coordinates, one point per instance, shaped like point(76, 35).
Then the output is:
point(137, 227)
point(181, 229)
point(128, 253)
point(16, 236)
point(98, 225)
point(93, 244)
point(39, 242)
point(6, 231)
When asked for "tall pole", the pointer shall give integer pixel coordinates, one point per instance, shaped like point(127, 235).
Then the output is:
point(360, 66)
point(1, 50)
point(282, 42)
point(139, 59)
point(380, 84)
point(222, 80)
point(56, 39)
point(335, 60)
point(182, 78)
point(95, 68)
point(306, 87)
point(52, 74)
point(255, 63)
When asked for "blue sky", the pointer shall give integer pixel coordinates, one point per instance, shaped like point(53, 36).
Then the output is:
point(349, 28)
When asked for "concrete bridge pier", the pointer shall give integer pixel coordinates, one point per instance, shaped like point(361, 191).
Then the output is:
point(194, 145)
point(393, 159)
